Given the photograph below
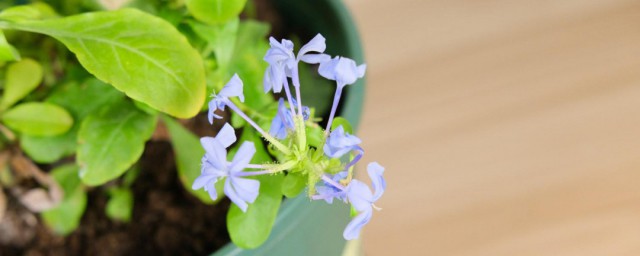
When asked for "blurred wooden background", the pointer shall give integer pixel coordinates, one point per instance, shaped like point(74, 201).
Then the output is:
point(507, 127)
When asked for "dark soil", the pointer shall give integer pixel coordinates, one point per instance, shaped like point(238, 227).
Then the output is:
point(166, 219)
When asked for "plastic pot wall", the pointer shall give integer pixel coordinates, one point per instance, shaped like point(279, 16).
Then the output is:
point(305, 227)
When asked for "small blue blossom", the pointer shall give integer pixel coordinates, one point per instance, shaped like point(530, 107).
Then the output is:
point(328, 191)
point(342, 70)
point(340, 143)
point(232, 89)
point(317, 44)
point(240, 190)
point(361, 198)
point(281, 122)
point(281, 60)
point(283, 63)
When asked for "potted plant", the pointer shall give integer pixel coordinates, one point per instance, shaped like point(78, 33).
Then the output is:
point(152, 66)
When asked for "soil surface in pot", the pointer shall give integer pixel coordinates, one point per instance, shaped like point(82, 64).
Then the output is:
point(166, 219)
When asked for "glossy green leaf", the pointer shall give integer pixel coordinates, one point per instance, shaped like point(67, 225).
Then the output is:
point(21, 78)
point(251, 229)
point(293, 184)
point(7, 51)
point(66, 217)
point(120, 204)
point(138, 53)
point(80, 100)
point(315, 136)
point(215, 11)
point(38, 119)
point(49, 149)
point(248, 63)
point(340, 121)
point(189, 152)
point(222, 39)
point(32, 11)
point(112, 140)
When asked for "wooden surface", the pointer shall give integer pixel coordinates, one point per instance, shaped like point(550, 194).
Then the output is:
point(506, 127)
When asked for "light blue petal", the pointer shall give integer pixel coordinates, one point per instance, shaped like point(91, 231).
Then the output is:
point(327, 68)
point(211, 113)
point(242, 157)
point(267, 80)
point(211, 189)
point(346, 71)
point(352, 231)
point(315, 58)
point(216, 154)
point(375, 171)
point(359, 195)
point(201, 181)
point(233, 88)
point(247, 189)
point(361, 70)
point(226, 136)
point(317, 44)
point(233, 195)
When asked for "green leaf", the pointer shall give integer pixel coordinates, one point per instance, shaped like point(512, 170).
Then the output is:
point(65, 218)
point(111, 141)
point(80, 100)
point(32, 11)
point(251, 229)
point(215, 11)
point(21, 78)
point(138, 53)
point(222, 39)
point(7, 52)
point(340, 121)
point(315, 136)
point(52, 148)
point(248, 63)
point(38, 119)
point(189, 152)
point(293, 184)
point(120, 204)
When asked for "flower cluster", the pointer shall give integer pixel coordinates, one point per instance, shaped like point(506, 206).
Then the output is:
point(287, 134)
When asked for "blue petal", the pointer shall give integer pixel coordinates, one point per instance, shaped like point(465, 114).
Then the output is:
point(216, 154)
point(315, 58)
point(352, 231)
point(201, 181)
point(211, 188)
point(226, 136)
point(375, 171)
point(233, 195)
point(327, 68)
point(247, 189)
point(242, 157)
point(317, 44)
point(212, 108)
point(233, 88)
point(359, 195)
point(361, 70)
point(240, 191)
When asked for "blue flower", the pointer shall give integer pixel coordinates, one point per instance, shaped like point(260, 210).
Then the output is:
point(240, 190)
point(231, 89)
point(342, 70)
point(281, 122)
point(362, 199)
point(281, 60)
point(283, 63)
point(340, 143)
point(316, 44)
point(328, 191)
